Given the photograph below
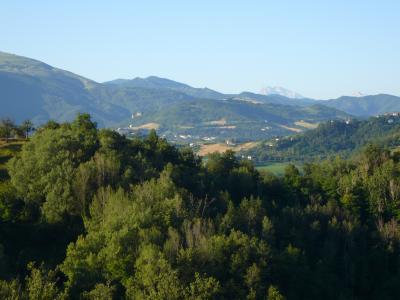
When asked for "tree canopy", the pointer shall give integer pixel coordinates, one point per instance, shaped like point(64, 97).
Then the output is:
point(89, 214)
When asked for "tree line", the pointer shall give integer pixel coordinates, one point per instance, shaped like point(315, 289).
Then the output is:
point(331, 138)
point(9, 129)
point(90, 214)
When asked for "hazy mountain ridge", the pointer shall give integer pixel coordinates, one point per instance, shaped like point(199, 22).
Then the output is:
point(32, 89)
point(365, 106)
point(155, 82)
point(273, 98)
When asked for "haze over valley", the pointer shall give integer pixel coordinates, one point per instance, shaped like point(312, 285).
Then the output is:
point(30, 89)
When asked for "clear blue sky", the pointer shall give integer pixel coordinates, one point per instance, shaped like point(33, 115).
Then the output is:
point(318, 48)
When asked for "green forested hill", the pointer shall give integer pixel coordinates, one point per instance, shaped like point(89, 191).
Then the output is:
point(241, 120)
point(31, 89)
point(90, 214)
point(366, 106)
point(332, 138)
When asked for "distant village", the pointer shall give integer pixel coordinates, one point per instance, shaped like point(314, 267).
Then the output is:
point(197, 141)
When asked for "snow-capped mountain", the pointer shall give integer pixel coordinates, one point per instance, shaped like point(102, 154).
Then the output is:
point(358, 94)
point(277, 90)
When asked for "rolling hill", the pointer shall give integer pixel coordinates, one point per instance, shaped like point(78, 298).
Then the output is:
point(35, 90)
point(32, 89)
point(366, 106)
point(332, 138)
point(239, 120)
point(154, 82)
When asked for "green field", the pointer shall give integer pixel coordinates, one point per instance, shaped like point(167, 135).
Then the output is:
point(275, 168)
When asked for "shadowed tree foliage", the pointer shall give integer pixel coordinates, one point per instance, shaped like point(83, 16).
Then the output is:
point(7, 126)
point(107, 217)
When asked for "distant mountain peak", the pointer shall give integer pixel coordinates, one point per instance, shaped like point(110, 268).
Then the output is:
point(358, 94)
point(155, 82)
point(278, 90)
point(149, 82)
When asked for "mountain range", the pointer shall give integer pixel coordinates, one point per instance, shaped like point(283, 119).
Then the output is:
point(30, 89)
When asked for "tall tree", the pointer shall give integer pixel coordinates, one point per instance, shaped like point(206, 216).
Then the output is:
point(6, 127)
point(27, 127)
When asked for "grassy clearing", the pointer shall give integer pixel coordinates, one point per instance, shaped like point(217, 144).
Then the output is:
point(211, 148)
point(220, 122)
point(148, 126)
point(306, 124)
point(298, 130)
point(245, 146)
point(276, 168)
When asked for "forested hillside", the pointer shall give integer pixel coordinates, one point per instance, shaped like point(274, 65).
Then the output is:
point(89, 214)
point(238, 120)
point(333, 138)
point(366, 106)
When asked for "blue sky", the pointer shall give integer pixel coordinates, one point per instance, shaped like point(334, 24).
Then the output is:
point(321, 49)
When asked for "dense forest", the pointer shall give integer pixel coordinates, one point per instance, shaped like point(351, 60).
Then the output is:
point(89, 214)
point(332, 138)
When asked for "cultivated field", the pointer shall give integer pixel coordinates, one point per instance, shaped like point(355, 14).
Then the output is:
point(148, 126)
point(291, 128)
point(276, 168)
point(220, 148)
point(306, 124)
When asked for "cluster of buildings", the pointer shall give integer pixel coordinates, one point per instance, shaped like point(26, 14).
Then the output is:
point(392, 116)
point(133, 132)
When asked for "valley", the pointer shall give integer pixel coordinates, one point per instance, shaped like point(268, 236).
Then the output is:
point(200, 150)
point(30, 89)
point(339, 138)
